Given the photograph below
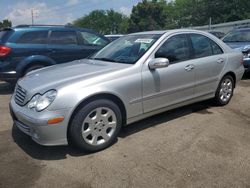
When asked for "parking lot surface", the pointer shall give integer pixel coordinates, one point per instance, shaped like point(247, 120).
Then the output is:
point(199, 145)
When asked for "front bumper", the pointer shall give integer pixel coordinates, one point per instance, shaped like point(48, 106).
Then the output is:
point(35, 124)
point(8, 76)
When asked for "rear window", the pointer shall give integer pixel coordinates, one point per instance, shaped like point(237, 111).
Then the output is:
point(238, 36)
point(34, 37)
point(3, 35)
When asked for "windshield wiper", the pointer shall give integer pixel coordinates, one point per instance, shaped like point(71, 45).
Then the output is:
point(104, 59)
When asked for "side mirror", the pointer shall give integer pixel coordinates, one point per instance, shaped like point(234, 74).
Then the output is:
point(158, 63)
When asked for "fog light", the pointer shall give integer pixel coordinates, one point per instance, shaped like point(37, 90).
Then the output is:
point(55, 120)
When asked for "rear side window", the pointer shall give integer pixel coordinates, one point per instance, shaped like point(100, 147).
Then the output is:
point(63, 38)
point(176, 49)
point(93, 39)
point(216, 49)
point(34, 37)
point(201, 46)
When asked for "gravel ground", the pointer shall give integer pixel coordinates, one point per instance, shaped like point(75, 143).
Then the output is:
point(198, 145)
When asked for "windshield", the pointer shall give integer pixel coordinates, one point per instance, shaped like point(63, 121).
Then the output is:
point(127, 49)
point(238, 36)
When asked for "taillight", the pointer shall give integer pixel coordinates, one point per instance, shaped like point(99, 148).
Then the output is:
point(4, 51)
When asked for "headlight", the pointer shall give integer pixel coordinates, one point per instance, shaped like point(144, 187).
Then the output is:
point(40, 102)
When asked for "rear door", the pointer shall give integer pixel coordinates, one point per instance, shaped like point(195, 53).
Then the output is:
point(209, 61)
point(64, 46)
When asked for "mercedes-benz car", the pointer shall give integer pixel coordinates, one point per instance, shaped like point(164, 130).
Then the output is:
point(86, 102)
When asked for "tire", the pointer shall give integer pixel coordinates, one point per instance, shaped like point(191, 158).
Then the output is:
point(95, 126)
point(224, 91)
point(31, 68)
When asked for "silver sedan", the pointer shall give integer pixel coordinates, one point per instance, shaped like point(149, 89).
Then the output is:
point(87, 101)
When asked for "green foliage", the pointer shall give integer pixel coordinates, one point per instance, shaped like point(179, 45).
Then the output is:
point(197, 12)
point(5, 23)
point(162, 14)
point(148, 15)
point(104, 21)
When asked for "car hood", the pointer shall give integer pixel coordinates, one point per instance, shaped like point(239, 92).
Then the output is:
point(57, 75)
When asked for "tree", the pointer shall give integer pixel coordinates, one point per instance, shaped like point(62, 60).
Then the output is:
point(104, 21)
point(197, 12)
point(148, 15)
point(5, 23)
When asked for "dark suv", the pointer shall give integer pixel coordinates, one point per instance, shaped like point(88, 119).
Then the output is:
point(25, 48)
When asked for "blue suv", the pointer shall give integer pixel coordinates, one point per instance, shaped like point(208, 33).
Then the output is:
point(28, 47)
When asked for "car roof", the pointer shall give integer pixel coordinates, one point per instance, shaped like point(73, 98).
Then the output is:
point(114, 35)
point(47, 27)
point(161, 32)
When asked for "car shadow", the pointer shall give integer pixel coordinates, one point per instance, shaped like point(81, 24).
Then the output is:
point(246, 76)
point(60, 152)
point(39, 152)
point(200, 107)
point(6, 88)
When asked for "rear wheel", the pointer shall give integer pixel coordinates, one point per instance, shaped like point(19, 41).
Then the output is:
point(96, 125)
point(224, 91)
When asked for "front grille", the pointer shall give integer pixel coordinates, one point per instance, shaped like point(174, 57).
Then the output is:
point(20, 95)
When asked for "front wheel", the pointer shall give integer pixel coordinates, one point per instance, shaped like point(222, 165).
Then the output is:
point(96, 125)
point(224, 91)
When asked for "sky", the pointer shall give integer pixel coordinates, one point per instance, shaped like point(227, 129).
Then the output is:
point(57, 11)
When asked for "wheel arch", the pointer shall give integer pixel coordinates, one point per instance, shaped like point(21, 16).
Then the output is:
point(91, 98)
point(32, 61)
point(232, 74)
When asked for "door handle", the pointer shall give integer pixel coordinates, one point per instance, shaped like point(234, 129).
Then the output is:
point(220, 61)
point(189, 67)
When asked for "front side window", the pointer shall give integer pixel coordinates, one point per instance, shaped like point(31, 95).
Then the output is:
point(175, 49)
point(127, 49)
point(63, 38)
point(92, 39)
point(34, 37)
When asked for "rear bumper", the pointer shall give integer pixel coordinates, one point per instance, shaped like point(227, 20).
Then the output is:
point(8, 76)
point(246, 63)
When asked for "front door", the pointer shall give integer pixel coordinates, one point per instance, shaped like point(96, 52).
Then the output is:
point(173, 84)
